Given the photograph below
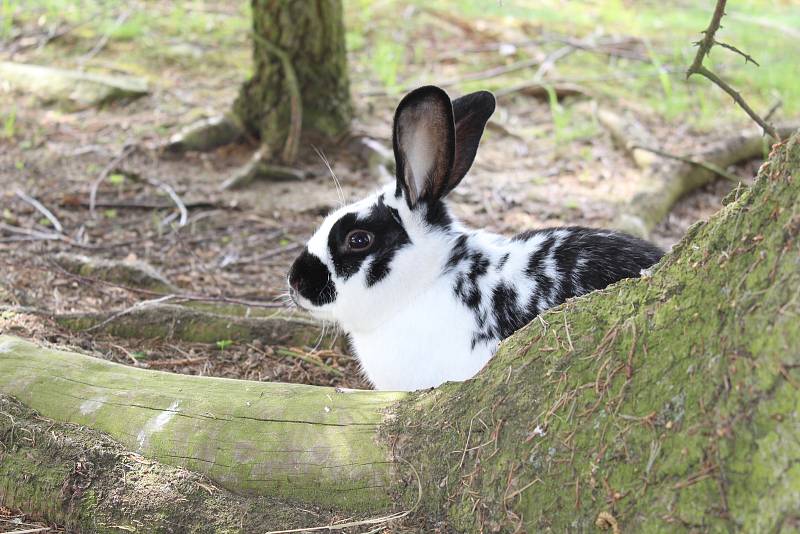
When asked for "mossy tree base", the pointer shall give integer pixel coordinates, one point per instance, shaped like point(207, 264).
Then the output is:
point(669, 402)
point(311, 34)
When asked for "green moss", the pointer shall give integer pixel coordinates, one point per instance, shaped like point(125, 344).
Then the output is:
point(299, 442)
point(674, 407)
point(87, 482)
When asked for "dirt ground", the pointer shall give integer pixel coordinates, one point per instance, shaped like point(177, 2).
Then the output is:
point(239, 244)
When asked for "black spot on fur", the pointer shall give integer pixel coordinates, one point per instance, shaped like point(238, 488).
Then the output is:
point(466, 286)
point(536, 270)
point(583, 260)
point(437, 215)
point(507, 313)
point(312, 279)
point(502, 262)
point(458, 253)
point(390, 236)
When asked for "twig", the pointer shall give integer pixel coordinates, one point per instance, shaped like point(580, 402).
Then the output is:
point(775, 107)
point(747, 57)
point(33, 234)
point(126, 151)
point(551, 59)
point(41, 209)
point(310, 360)
point(184, 214)
point(704, 47)
point(128, 310)
point(474, 76)
point(295, 102)
point(103, 41)
point(602, 78)
point(704, 164)
point(191, 297)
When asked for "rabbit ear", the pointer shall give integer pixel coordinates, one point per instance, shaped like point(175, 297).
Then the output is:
point(435, 141)
point(424, 144)
point(471, 112)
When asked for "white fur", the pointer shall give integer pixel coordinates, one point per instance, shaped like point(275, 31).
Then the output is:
point(410, 331)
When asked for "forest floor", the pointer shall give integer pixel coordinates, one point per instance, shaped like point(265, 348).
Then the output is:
point(543, 161)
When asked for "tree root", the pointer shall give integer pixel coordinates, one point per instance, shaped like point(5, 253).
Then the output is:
point(127, 273)
point(170, 321)
point(668, 181)
point(259, 168)
point(85, 481)
point(207, 134)
point(197, 323)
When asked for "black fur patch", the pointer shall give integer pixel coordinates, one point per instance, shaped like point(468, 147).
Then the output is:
point(466, 286)
point(507, 313)
point(436, 214)
point(312, 279)
point(390, 236)
point(502, 262)
point(536, 271)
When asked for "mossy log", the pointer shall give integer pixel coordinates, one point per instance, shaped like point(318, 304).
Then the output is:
point(201, 323)
point(666, 403)
point(307, 443)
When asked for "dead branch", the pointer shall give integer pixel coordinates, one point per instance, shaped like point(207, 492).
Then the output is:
point(107, 170)
point(184, 213)
point(704, 48)
point(41, 209)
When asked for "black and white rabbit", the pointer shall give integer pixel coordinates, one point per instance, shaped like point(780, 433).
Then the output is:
point(423, 298)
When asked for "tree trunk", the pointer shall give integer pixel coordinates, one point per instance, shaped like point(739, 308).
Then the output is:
point(310, 35)
point(663, 403)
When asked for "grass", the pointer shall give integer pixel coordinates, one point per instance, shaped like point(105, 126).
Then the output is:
point(667, 29)
point(393, 45)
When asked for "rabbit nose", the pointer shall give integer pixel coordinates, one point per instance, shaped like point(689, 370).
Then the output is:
point(295, 283)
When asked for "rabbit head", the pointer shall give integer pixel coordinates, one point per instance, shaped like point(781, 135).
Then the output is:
point(369, 259)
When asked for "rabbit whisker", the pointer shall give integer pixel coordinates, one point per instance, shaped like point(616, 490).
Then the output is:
point(339, 191)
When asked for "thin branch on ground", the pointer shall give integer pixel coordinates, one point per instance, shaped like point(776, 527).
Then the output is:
point(191, 297)
point(128, 310)
point(107, 170)
point(103, 41)
point(41, 209)
point(572, 81)
point(184, 213)
point(295, 102)
point(697, 67)
point(775, 107)
point(698, 163)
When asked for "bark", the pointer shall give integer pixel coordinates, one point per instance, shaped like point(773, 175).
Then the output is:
point(666, 403)
point(311, 34)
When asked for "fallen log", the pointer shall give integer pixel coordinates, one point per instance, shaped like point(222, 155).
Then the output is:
point(300, 442)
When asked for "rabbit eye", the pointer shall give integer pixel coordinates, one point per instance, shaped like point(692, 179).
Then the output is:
point(359, 240)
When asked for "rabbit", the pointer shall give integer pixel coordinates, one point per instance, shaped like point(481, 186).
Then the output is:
point(424, 299)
